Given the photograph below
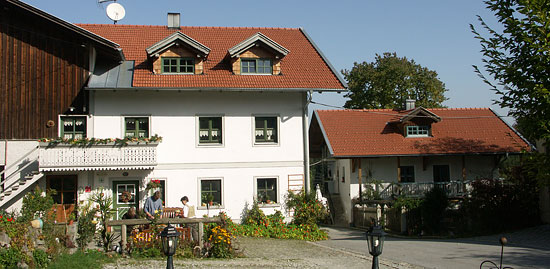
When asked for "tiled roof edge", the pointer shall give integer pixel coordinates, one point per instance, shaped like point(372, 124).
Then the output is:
point(325, 59)
point(196, 27)
point(320, 122)
point(514, 130)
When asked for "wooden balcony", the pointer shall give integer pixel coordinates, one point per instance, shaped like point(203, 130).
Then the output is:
point(110, 156)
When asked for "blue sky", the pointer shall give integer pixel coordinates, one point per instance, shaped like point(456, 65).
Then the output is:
point(435, 33)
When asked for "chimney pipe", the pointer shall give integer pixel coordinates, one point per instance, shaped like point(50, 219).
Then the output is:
point(173, 20)
point(410, 104)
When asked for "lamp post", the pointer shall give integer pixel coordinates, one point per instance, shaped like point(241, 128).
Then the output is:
point(169, 237)
point(503, 241)
point(375, 242)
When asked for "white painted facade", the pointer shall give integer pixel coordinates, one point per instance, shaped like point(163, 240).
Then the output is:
point(345, 181)
point(182, 162)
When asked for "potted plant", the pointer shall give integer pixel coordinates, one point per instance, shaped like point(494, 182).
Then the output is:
point(210, 199)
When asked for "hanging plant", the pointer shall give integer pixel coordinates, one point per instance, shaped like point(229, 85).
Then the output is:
point(153, 184)
point(96, 141)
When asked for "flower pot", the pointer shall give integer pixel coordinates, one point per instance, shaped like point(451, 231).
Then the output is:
point(211, 203)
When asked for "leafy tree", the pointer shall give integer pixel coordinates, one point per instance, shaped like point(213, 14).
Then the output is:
point(389, 81)
point(518, 59)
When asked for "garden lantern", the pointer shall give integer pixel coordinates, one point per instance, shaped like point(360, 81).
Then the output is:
point(169, 237)
point(375, 242)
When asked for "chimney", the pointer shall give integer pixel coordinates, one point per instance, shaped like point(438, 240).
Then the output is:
point(173, 20)
point(410, 104)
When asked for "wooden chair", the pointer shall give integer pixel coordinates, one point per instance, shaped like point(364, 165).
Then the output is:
point(171, 212)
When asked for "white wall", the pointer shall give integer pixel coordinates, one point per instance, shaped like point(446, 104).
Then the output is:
point(173, 116)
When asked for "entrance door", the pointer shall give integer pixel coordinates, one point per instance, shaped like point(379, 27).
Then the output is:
point(65, 195)
point(125, 195)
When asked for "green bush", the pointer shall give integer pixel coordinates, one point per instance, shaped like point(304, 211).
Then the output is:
point(86, 226)
point(41, 259)
point(9, 257)
point(433, 209)
point(307, 210)
point(35, 205)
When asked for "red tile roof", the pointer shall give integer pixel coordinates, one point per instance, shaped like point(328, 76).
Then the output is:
point(303, 67)
point(375, 133)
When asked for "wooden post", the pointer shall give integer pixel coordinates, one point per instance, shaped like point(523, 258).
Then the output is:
point(201, 233)
point(124, 239)
point(360, 182)
point(463, 173)
point(398, 169)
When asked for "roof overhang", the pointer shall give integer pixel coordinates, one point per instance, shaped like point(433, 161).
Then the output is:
point(177, 38)
point(103, 44)
point(96, 168)
point(211, 89)
point(255, 40)
point(425, 155)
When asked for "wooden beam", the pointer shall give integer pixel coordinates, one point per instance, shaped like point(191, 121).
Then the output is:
point(360, 182)
point(163, 221)
point(398, 169)
point(123, 235)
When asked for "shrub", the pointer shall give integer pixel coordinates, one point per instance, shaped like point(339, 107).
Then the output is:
point(307, 210)
point(413, 211)
point(86, 226)
point(41, 259)
point(35, 205)
point(9, 257)
point(433, 209)
point(104, 204)
point(219, 242)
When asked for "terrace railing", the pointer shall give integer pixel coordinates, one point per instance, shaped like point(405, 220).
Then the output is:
point(453, 189)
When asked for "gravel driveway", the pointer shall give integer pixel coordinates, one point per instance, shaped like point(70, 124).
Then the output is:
point(269, 253)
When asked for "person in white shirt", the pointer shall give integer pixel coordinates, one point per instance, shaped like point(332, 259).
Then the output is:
point(189, 212)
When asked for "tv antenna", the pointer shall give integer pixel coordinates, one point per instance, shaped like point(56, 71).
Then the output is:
point(115, 11)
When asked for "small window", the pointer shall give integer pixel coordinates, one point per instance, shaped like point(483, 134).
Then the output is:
point(407, 174)
point(414, 130)
point(73, 127)
point(265, 130)
point(178, 65)
point(441, 173)
point(211, 190)
point(126, 194)
point(256, 66)
point(136, 127)
point(210, 130)
point(266, 190)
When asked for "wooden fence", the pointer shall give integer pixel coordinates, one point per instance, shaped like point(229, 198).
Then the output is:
point(124, 224)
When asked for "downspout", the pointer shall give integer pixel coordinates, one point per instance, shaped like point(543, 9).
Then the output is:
point(306, 98)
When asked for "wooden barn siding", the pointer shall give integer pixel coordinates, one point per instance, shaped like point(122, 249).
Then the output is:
point(42, 70)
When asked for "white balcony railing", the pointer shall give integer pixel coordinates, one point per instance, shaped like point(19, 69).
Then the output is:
point(66, 157)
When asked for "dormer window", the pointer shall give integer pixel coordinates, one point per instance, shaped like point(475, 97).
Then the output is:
point(172, 65)
point(418, 131)
point(256, 66)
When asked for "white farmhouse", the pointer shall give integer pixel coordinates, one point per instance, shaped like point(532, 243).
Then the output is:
point(218, 114)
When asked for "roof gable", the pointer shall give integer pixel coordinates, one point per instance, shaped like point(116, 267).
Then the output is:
point(369, 133)
point(420, 112)
point(255, 40)
point(176, 39)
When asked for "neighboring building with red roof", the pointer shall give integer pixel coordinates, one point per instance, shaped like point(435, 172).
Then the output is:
point(414, 147)
point(230, 104)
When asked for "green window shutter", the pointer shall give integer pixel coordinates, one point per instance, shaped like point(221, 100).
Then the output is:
point(173, 65)
point(266, 130)
point(210, 130)
point(73, 127)
point(136, 127)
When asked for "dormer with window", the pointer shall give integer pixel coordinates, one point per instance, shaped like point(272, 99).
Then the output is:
point(418, 122)
point(257, 55)
point(178, 54)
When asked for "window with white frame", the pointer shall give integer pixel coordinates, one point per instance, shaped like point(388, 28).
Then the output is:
point(418, 130)
point(73, 127)
point(266, 129)
point(211, 192)
point(407, 174)
point(210, 130)
point(266, 190)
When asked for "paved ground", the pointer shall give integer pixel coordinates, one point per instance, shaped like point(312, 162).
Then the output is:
point(526, 249)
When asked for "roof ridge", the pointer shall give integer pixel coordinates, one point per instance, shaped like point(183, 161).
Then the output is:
point(183, 27)
point(459, 108)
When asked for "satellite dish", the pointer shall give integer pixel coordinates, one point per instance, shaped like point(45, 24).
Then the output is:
point(115, 12)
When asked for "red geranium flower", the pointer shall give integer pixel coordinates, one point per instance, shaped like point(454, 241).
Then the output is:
point(10, 219)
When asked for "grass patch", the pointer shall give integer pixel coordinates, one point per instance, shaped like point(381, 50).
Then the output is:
point(88, 259)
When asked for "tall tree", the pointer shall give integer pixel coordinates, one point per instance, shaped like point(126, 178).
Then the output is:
point(518, 60)
point(389, 81)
